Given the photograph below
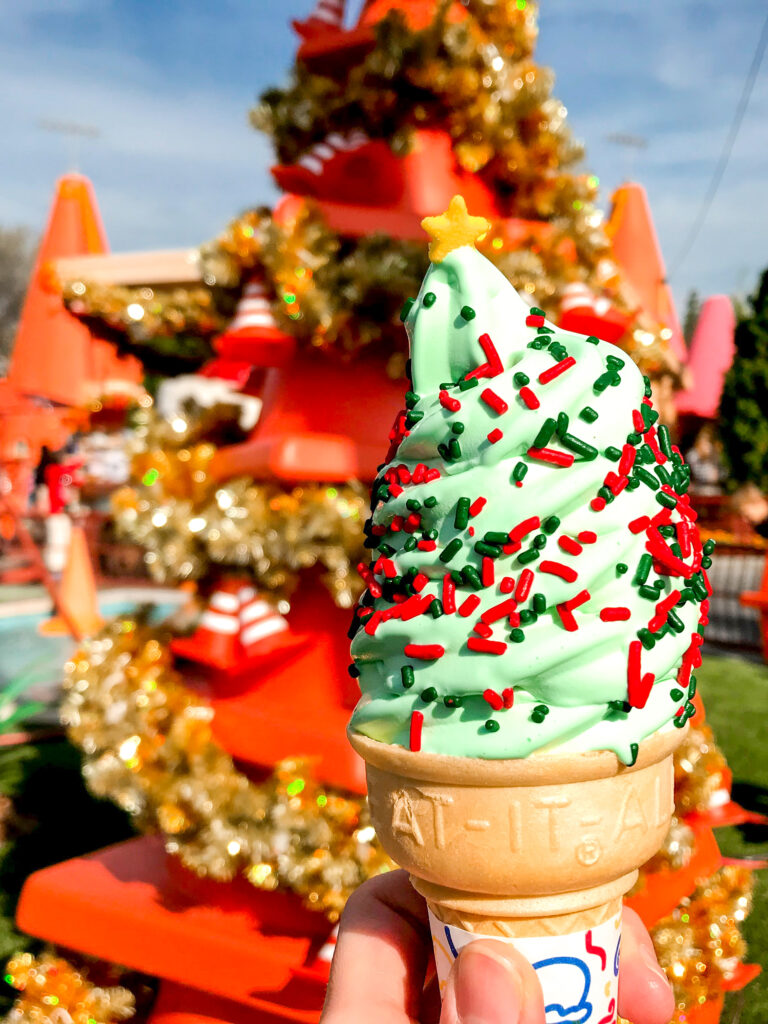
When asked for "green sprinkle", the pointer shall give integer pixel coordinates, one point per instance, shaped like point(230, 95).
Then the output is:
point(430, 535)
point(410, 544)
point(470, 382)
point(406, 674)
point(633, 750)
point(649, 415)
point(634, 438)
point(451, 550)
point(535, 311)
point(429, 694)
point(528, 616)
point(606, 379)
point(517, 636)
point(666, 500)
point(413, 416)
point(455, 449)
point(539, 542)
point(407, 306)
point(528, 556)
point(646, 638)
point(461, 519)
point(633, 483)
point(562, 423)
point(620, 705)
point(544, 330)
point(649, 593)
point(593, 340)
point(676, 694)
point(472, 576)
point(539, 713)
point(647, 382)
point(586, 451)
point(546, 431)
point(664, 441)
point(413, 504)
point(539, 604)
point(518, 473)
point(467, 313)
point(706, 562)
point(535, 344)
point(699, 586)
point(647, 478)
point(614, 361)
point(492, 550)
point(667, 531)
point(387, 550)
point(521, 379)
point(457, 427)
point(550, 524)
point(692, 687)
point(446, 385)
point(676, 550)
point(646, 454)
point(644, 567)
point(411, 398)
point(663, 475)
point(686, 594)
point(458, 577)
point(588, 414)
point(452, 701)
point(496, 537)
point(606, 494)
point(491, 725)
point(436, 609)
point(679, 721)
point(612, 453)
point(430, 502)
point(429, 299)
point(621, 568)
point(709, 546)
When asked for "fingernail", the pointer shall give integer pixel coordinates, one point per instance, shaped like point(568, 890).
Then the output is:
point(649, 959)
point(488, 989)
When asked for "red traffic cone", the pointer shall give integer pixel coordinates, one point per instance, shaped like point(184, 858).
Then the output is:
point(328, 16)
point(216, 641)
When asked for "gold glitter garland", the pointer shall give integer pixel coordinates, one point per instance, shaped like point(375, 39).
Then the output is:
point(156, 759)
point(54, 990)
point(700, 770)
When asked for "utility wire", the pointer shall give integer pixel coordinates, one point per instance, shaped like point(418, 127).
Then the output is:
point(717, 176)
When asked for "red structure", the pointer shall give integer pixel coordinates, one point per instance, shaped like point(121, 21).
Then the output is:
point(225, 951)
point(710, 358)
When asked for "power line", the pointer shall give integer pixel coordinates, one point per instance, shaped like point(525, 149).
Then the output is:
point(725, 155)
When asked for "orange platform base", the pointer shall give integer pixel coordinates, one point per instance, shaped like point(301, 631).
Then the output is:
point(129, 904)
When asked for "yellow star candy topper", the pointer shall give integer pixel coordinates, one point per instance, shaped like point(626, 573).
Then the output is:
point(452, 229)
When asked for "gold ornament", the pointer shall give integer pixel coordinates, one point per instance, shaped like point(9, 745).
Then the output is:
point(700, 771)
point(452, 229)
point(53, 990)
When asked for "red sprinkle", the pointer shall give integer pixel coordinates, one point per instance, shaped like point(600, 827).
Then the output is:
point(369, 580)
point(468, 606)
point(427, 545)
point(417, 721)
point(449, 595)
point(524, 585)
point(558, 569)
point(509, 697)
point(507, 585)
point(372, 623)
point(424, 652)
point(482, 630)
point(534, 320)
point(415, 605)
point(598, 504)
point(684, 537)
point(640, 524)
point(471, 531)
point(496, 402)
point(488, 574)
point(477, 506)
point(476, 643)
point(637, 421)
point(523, 529)
point(554, 371)
point(412, 523)
point(418, 474)
point(387, 566)
point(618, 614)
point(493, 698)
point(395, 490)
point(552, 456)
point(452, 404)
point(499, 611)
point(570, 545)
point(529, 398)
point(662, 608)
point(495, 435)
point(495, 366)
point(587, 537)
point(419, 582)
point(567, 618)
point(431, 474)
point(638, 685)
point(627, 461)
point(397, 524)
point(403, 473)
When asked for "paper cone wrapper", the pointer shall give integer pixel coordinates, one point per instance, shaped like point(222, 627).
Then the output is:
point(535, 851)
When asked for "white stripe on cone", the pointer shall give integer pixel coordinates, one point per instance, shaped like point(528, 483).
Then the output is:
point(261, 630)
point(258, 618)
point(223, 602)
point(253, 309)
point(315, 159)
point(326, 952)
point(330, 11)
point(226, 624)
point(579, 296)
point(255, 610)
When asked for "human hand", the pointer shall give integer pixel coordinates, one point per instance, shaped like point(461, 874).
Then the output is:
point(383, 972)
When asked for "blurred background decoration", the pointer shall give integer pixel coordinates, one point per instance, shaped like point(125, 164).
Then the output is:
point(187, 438)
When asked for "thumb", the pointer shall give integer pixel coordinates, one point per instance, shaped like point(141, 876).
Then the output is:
point(491, 983)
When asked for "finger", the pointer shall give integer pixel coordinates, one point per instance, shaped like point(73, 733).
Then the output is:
point(381, 955)
point(645, 995)
point(491, 983)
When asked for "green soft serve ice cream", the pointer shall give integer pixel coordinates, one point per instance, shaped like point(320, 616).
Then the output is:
point(537, 582)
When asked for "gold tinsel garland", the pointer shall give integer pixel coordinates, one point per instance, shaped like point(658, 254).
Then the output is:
point(53, 989)
point(148, 747)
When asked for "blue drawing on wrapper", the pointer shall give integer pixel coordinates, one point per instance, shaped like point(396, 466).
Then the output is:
point(574, 982)
point(616, 959)
point(449, 939)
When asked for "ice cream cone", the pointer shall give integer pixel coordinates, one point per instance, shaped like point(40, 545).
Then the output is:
point(537, 850)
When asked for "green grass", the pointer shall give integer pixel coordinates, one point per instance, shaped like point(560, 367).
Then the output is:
point(736, 696)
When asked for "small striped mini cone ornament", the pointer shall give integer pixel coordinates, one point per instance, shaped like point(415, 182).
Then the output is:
point(308, 176)
point(236, 630)
point(584, 312)
point(253, 337)
point(327, 16)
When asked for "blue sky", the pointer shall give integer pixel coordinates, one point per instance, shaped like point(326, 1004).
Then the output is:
point(169, 85)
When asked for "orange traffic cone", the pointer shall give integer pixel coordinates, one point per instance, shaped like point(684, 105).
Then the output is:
point(237, 629)
point(77, 594)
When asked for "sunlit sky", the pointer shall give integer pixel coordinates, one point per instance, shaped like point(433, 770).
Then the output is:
point(168, 86)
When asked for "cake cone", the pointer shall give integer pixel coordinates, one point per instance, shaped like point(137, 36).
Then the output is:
point(538, 851)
